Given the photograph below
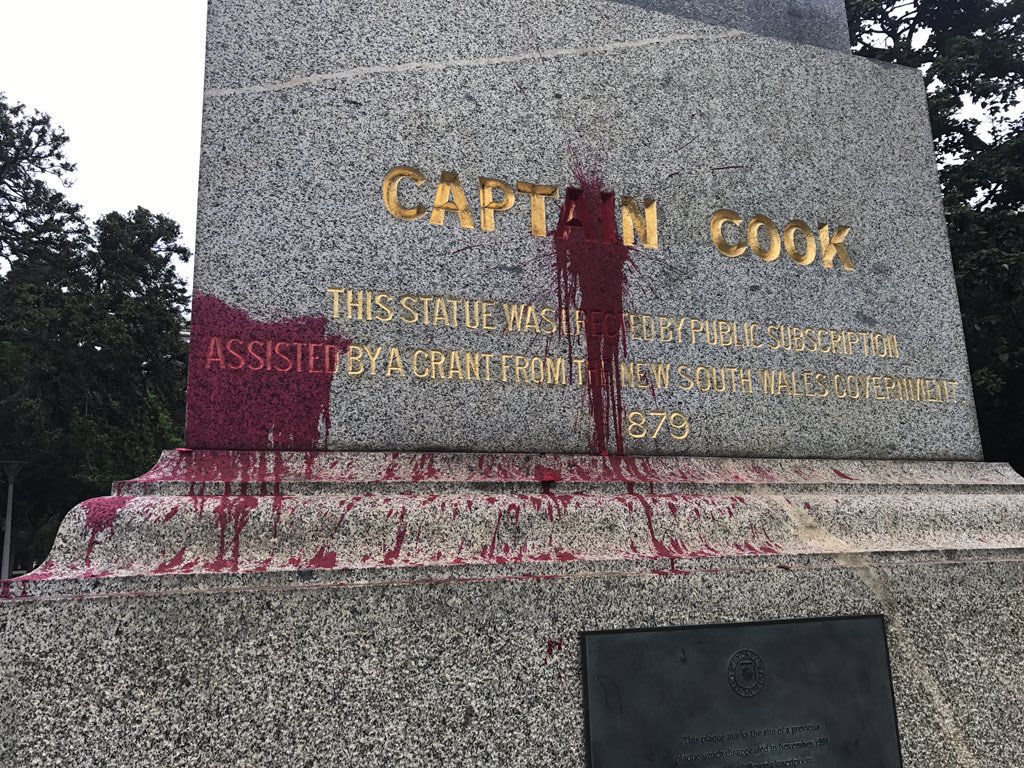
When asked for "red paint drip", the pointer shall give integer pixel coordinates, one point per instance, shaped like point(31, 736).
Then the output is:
point(233, 514)
point(252, 408)
point(100, 516)
point(393, 554)
point(845, 477)
point(590, 274)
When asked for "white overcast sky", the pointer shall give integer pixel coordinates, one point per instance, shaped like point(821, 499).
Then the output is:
point(124, 78)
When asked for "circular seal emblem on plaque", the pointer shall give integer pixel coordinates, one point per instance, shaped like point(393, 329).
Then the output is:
point(746, 674)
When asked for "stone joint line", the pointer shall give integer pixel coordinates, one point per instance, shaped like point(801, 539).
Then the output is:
point(431, 66)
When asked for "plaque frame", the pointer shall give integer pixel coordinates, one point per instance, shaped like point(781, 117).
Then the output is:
point(776, 623)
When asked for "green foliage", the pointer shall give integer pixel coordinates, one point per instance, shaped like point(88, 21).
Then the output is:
point(32, 214)
point(92, 360)
point(972, 53)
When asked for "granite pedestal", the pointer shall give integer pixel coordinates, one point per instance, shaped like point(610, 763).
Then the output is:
point(425, 610)
point(515, 321)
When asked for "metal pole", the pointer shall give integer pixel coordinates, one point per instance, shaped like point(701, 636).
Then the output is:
point(10, 469)
point(5, 571)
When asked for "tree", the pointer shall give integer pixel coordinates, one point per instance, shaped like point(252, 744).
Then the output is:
point(92, 359)
point(972, 56)
point(32, 214)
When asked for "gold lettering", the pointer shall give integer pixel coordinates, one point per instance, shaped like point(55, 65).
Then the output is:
point(488, 205)
point(522, 365)
point(451, 198)
point(632, 222)
point(835, 246)
point(747, 381)
point(555, 371)
point(441, 313)
point(355, 362)
point(539, 194)
point(455, 367)
point(718, 222)
point(473, 366)
point(336, 296)
point(810, 252)
point(436, 364)
point(373, 358)
point(488, 316)
point(383, 302)
point(411, 316)
point(390, 191)
point(686, 382)
point(514, 314)
point(417, 357)
point(754, 238)
point(354, 305)
point(395, 365)
point(547, 314)
point(581, 371)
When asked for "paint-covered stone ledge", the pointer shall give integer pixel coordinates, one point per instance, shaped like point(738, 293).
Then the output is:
point(230, 512)
point(207, 472)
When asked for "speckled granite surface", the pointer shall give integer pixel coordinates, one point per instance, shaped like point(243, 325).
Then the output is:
point(310, 104)
point(425, 610)
point(467, 667)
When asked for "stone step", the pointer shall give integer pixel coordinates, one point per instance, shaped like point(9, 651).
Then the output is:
point(234, 512)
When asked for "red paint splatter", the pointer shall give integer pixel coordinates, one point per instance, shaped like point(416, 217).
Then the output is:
point(544, 474)
point(253, 408)
point(264, 472)
point(100, 516)
point(176, 564)
point(554, 647)
point(43, 573)
point(844, 476)
point(324, 559)
point(423, 468)
point(763, 474)
point(590, 274)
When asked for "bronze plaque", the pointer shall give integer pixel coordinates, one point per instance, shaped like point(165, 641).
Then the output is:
point(815, 693)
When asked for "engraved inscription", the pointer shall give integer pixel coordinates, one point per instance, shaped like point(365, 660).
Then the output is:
point(780, 746)
point(639, 219)
point(762, 237)
point(646, 371)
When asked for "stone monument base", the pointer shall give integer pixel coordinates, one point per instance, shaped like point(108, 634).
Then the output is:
point(304, 609)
